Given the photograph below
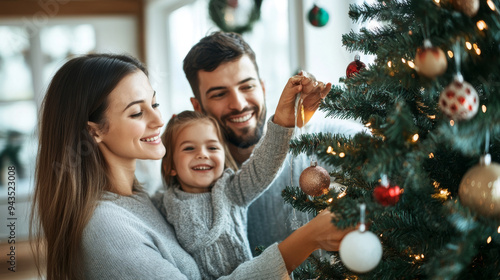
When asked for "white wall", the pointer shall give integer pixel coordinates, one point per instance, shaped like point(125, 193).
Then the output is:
point(326, 58)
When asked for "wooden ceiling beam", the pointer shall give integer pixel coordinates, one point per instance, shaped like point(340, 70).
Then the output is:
point(53, 8)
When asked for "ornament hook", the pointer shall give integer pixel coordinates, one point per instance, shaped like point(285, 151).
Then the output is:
point(362, 226)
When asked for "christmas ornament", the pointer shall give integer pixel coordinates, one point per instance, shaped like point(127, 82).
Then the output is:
point(459, 100)
point(386, 194)
point(314, 180)
point(354, 67)
point(232, 3)
point(303, 115)
point(360, 250)
point(318, 16)
point(217, 11)
point(430, 61)
point(468, 7)
point(480, 188)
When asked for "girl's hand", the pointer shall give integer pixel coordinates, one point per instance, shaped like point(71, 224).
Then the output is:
point(311, 95)
point(285, 110)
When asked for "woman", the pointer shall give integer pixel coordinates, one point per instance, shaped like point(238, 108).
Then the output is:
point(92, 220)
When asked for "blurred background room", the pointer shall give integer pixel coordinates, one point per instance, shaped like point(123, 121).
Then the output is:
point(38, 36)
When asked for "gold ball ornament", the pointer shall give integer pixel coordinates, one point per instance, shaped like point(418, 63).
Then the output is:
point(468, 7)
point(430, 61)
point(480, 188)
point(314, 180)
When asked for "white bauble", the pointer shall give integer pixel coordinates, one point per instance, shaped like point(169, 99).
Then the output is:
point(360, 251)
point(459, 101)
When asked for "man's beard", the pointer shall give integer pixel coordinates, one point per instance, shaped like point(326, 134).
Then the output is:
point(247, 138)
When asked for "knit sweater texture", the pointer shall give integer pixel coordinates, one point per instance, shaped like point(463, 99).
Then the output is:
point(212, 226)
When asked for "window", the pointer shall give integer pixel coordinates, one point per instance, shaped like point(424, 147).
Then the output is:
point(184, 23)
point(29, 57)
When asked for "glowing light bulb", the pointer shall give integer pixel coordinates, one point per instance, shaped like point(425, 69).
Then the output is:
point(468, 45)
point(483, 108)
point(488, 240)
point(411, 64)
point(415, 137)
point(342, 155)
point(389, 64)
point(329, 150)
point(403, 60)
point(481, 25)
point(491, 5)
point(450, 54)
point(431, 155)
point(477, 49)
point(452, 123)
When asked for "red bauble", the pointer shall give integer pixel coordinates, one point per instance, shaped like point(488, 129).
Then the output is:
point(387, 195)
point(232, 3)
point(354, 67)
point(314, 180)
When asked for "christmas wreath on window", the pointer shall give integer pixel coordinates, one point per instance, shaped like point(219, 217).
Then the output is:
point(217, 10)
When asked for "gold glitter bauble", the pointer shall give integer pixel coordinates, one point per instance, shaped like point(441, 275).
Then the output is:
point(430, 61)
point(314, 180)
point(480, 188)
point(468, 7)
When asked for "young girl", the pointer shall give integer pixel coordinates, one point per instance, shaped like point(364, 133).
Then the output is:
point(206, 204)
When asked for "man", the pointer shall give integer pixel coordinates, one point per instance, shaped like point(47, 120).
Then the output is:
point(223, 73)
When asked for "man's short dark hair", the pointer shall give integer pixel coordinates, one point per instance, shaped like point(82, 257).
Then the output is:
point(212, 51)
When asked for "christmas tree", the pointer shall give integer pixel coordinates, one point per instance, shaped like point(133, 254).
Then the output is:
point(427, 172)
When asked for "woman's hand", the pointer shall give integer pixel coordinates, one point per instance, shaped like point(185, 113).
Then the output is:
point(324, 234)
point(319, 233)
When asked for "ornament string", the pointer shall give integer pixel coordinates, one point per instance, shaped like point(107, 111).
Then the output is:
point(487, 142)
point(458, 60)
point(294, 221)
point(425, 31)
point(362, 210)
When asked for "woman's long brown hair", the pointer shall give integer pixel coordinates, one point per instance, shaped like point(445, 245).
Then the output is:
point(71, 173)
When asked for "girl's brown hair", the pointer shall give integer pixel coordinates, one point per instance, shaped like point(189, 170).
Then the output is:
point(174, 126)
point(71, 173)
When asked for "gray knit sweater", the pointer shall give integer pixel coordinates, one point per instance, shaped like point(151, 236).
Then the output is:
point(212, 226)
point(128, 239)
